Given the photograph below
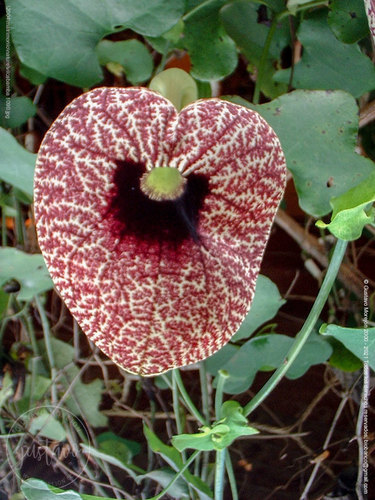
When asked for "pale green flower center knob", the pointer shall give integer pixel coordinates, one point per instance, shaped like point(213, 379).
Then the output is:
point(163, 183)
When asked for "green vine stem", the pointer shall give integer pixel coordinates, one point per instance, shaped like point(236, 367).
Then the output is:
point(219, 474)
point(179, 473)
point(206, 413)
point(177, 413)
point(223, 375)
point(187, 399)
point(263, 59)
point(231, 476)
point(204, 391)
point(176, 406)
point(267, 44)
point(47, 341)
point(220, 454)
point(303, 335)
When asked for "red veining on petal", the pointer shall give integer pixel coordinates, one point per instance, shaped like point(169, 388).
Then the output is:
point(370, 10)
point(156, 287)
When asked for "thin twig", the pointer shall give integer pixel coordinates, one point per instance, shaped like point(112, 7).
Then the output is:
point(344, 400)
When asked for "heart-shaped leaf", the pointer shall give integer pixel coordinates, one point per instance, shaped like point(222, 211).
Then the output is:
point(360, 341)
point(213, 53)
point(347, 19)
point(352, 210)
point(327, 63)
point(69, 31)
point(131, 55)
point(17, 164)
point(156, 284)
point(29, 270)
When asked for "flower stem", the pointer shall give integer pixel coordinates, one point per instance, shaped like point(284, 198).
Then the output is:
point(231, 476)
point(305, 331)
point(48, 344)
point(189, 403)
point(223, 375)
point(220, 454)
point(206, 414)
point(179, 473)
point(219, 474)
point(176, 409)
point(204, 391)
point(176, 406)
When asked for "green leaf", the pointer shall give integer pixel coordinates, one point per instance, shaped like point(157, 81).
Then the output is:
point(267, 352)
point(327, 63)
point(267, 301)
point(191, 4)
point(170, 454)
point(176, 85)
point(32, 75)
point(20, 110)
point(16, 164)
point(208, 439)
point(85, 398)
point(318, 133)
point(29, 270)
point(232, 415)
point(163, 477)
point(313, 353)
point(212, 52)
point(215, 362)
point(7, 204)
point(219, 435)
point(348, 21)
point(132, 55)
point(173, 458)
point(46, 425)
point(293, 5)
point(342, 358)
point(36, 387)
point(360, 341)
point(172, 38)
point(70, 30)
point(35, 489)
point(352, 210)
point(240, 19)
point(120, 448)
point(111, 459)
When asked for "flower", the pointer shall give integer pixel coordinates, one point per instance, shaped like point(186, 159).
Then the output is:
point(165, 282)
point(370, 11)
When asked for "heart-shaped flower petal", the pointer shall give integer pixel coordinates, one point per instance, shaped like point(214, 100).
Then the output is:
point(370, 11)
point(156, 283)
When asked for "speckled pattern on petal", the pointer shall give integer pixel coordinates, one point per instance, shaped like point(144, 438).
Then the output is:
point(156, 296)
point(370, 10)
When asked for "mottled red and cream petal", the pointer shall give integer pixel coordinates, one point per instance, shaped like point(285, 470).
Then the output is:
point(152, 304)
point(370, 10)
